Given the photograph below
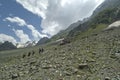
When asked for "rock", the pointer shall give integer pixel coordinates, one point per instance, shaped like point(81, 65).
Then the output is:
point(82, 66)
point(107, 78)
point(47, 67)
point(67, 73)
point(15, 76)
point(55, 48)
point(33, 62)
point(90, 60)
point(21, 74)
point(117, 54)
point(26, 72)
point(33, 67)
point(78, 76)
point(75, 71)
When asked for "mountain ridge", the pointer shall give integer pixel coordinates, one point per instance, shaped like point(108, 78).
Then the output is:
point(7, 46)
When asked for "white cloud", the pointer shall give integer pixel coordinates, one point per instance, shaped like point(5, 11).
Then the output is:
point(59, 14)
point(35, 6)
point(4, 37)
point(17, 20)
point(53, 29)
point(22, 36)
point(36, 35)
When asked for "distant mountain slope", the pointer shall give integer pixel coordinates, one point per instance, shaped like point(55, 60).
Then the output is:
point(27, 44)
point(104, 14)
point(7, 46)
point(106, 5)
point(42, 41)
point(64, 33)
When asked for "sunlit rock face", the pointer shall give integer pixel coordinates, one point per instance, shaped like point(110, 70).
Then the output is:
point(27, 44)
point(114, 24)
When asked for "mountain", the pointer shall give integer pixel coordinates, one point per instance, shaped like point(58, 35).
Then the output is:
point(27, 44)
point(7, 46)
point(104, 15)
point(43, 41)
point(106, 5)
point(64, 33)
point(30, 44)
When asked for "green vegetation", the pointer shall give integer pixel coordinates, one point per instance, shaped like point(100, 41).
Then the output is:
point(106, 16)
point(91, 31)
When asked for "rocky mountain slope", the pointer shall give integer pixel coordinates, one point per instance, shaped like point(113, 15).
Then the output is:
point(95, 57)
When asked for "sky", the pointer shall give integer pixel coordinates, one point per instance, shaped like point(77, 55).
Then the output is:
point(31, 20)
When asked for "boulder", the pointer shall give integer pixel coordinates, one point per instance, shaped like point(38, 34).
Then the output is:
point(82, 66)
point(14, 76)
point(107, 78)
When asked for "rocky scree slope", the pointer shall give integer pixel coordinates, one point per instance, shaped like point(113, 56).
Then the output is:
point(95, 57)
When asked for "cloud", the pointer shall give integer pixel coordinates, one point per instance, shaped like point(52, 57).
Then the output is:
point(4, 37)
point(59, 14)
point(35, 6)
point(17, 20)
point(22, 36)
point(36, 35)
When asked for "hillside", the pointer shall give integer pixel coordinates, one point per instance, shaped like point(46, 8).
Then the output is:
point(88, 58)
